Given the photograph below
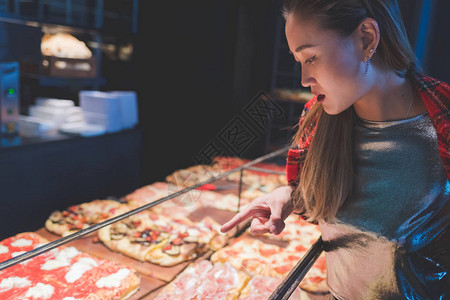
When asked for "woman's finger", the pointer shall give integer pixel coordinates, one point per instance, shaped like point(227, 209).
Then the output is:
point(258, 226)
point(253, 210)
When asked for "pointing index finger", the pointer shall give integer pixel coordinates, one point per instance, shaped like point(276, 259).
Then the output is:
point(238, 218)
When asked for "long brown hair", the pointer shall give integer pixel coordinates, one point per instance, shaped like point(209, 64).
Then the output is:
point(326, 180)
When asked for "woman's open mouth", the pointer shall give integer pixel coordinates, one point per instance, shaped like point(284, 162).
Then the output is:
point(320, 97)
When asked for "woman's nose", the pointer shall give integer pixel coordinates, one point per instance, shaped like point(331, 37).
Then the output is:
point(306, 79)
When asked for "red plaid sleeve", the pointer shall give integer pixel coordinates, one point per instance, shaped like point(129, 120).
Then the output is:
point(296, 155)
point(436, 97)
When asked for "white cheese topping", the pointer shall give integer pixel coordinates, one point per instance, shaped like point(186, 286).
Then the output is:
point(39, 245)
point(44, 291)
point(193, 232)
point(3, 249)
point(160, 222)
point(112, 280)
point(62, 259)
point(14, 254)
point(79, 268)
point(69, 298)
point(22, 243)
point(13, 282)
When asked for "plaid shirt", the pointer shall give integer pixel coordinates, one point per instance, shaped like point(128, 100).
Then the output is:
point(434, 93)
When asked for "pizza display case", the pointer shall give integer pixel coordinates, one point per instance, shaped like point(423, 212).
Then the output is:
point(217, 195)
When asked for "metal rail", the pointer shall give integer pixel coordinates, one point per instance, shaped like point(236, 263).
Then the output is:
point(263, 170)
point(64, 240)
point(296, 275)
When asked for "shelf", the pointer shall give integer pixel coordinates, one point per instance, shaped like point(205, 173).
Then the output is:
point(111, 16)
point(18, 141)
point(8, 142)
point(64, 81)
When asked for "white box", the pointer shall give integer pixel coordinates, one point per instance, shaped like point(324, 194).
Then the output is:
point(110, 124)
point(115, 110)
point(100, 102)
point(129, 107)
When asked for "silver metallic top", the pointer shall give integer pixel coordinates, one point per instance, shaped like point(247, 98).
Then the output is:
point(400, 204)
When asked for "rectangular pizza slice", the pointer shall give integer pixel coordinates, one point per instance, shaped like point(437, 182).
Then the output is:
point(256, 257)
point(161, 240)
point(205, 280)
point(61, 273)
point(83, 215)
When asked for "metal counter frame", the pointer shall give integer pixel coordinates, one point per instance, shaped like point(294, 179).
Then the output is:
point(282, 292)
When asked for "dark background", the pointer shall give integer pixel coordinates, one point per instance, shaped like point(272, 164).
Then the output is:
point(196, 66)
point(198, 63)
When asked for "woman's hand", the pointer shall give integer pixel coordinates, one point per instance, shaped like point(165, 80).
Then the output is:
point(268, 212)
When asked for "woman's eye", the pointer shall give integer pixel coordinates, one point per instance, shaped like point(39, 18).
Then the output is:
point(310, 60)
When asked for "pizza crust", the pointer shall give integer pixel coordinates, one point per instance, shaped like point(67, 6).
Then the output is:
point(125, 245)
point(78, 217)
point(186, 252)
point(161, 240)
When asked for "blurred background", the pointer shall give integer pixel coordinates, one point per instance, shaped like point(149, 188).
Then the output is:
point(101, 97)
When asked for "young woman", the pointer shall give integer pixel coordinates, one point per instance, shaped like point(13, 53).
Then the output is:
point(370, 162)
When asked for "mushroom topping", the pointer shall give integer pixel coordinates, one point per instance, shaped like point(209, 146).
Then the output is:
point(56, 217)
point(130, 224)
point(71, 220)
point(121, 228)
point(171, 249)
point(190, 239)
point(138, 240)
point(118, 231)
point(141, 237)
point(117, 236)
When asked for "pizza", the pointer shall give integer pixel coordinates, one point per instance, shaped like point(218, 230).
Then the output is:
point(223, 201)
point(257, 257)
point(63, 273)
point(297, 230)
point(161, 240)
point(83, 215)
point(194, 174)
point(315, 281)
point(266, 181)
point(221, 164)
point(255, 183)
point(261, 288)
point(177, 207)
point(205, 280)
point(247, 254)
point(147, 194)
point(184, 204)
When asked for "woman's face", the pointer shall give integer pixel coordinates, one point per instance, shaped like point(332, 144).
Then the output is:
point(332, 66)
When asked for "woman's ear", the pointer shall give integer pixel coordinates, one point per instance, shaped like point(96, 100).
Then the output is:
point(369, 34)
